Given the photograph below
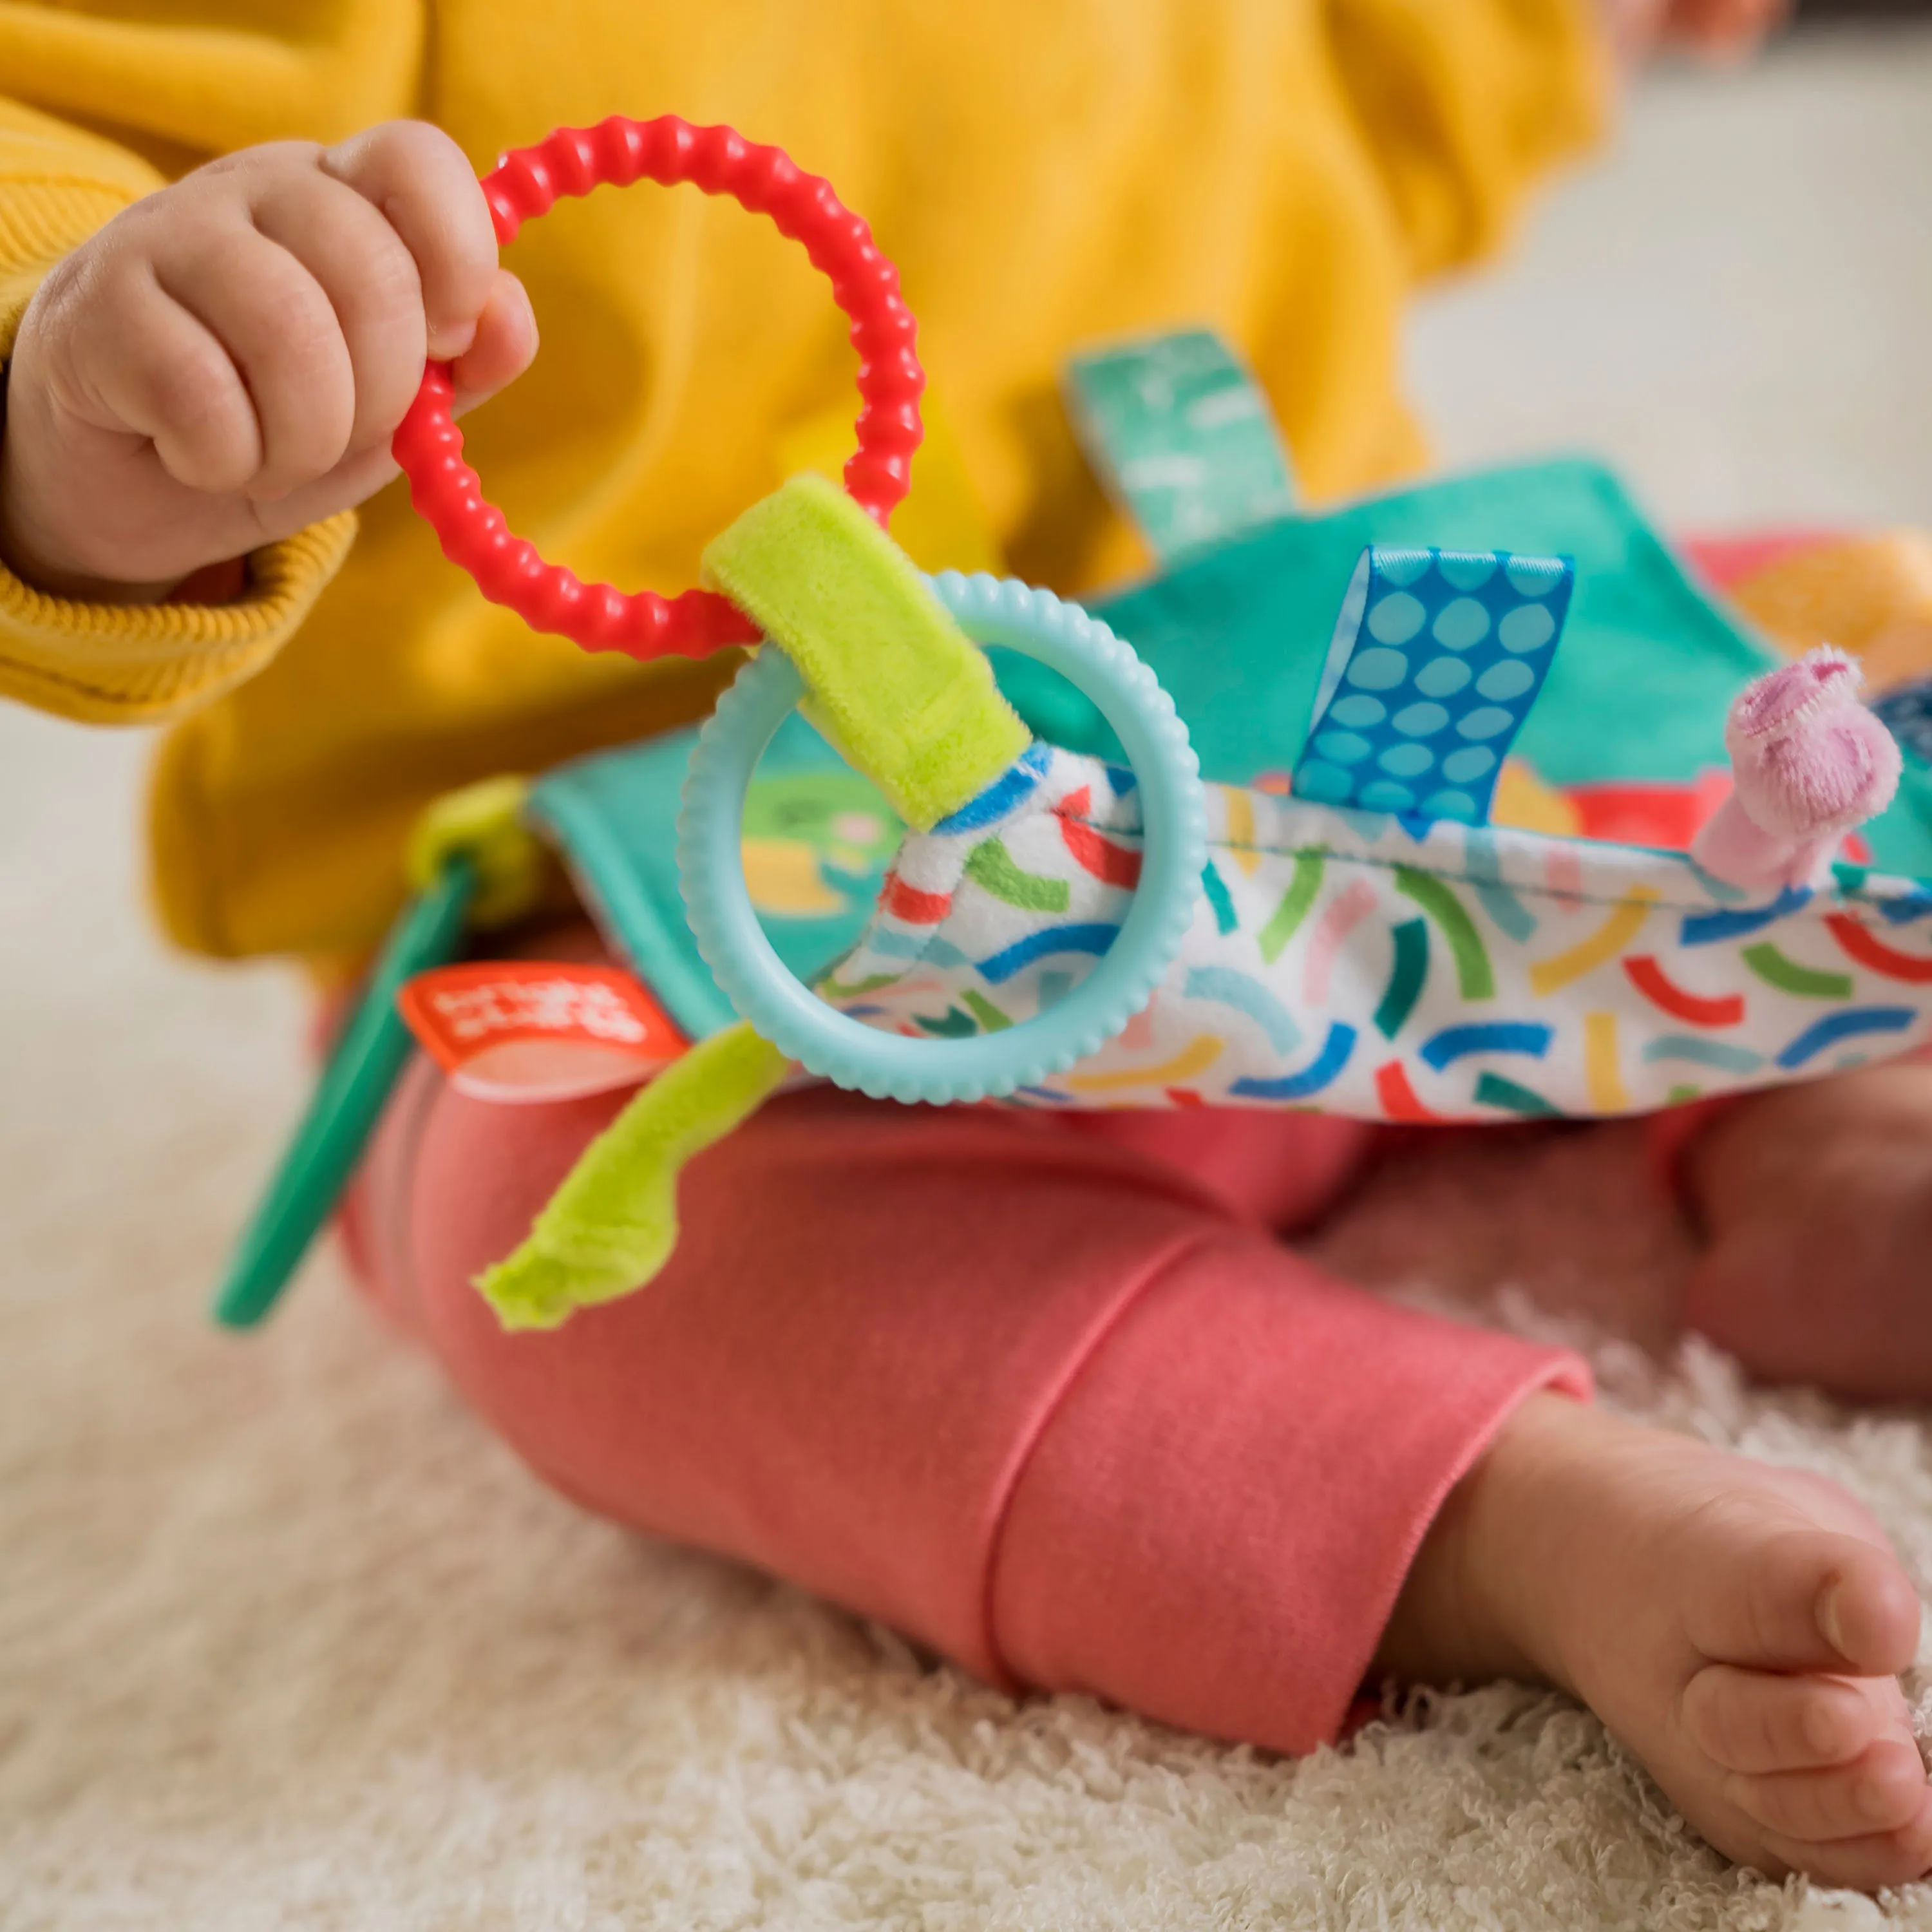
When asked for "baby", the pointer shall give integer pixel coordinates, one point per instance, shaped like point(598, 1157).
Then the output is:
point(1055, 1396)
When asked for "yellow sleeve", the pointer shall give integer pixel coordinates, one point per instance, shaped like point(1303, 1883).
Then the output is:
point(118, 664)
point(1464, 106)
point(178, 93)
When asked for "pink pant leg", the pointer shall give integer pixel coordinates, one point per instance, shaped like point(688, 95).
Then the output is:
point(1216, 1527)
point(1051, 1403)
point(1280, 1171)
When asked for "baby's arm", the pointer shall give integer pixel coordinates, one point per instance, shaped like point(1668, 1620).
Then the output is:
point(224, 362)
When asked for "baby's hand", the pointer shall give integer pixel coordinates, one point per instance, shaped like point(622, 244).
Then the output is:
point(226, 360)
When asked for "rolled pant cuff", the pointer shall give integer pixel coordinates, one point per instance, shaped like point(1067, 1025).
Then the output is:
point(1215, 1525)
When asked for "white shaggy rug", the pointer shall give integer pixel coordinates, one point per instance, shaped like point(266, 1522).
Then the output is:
point(286, 1642)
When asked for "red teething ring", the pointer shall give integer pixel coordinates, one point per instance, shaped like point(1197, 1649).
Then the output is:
point(525, 184)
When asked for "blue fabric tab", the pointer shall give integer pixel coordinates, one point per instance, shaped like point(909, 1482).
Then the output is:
point(1437, 657)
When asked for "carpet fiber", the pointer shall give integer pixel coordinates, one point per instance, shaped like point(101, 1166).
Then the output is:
point(286, 1642)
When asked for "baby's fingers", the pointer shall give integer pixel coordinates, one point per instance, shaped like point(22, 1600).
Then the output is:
point(144, 363)
point(416, 176)
point(505, 341)
point(371, 280)
point(283, 335)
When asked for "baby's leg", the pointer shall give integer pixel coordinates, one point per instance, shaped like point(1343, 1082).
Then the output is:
point(1045, 1402)
point(1049, 1404)
point(1574, 1216)
point(1814, 1204)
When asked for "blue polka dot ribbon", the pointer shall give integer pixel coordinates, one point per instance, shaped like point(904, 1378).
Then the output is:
point(1437, 658)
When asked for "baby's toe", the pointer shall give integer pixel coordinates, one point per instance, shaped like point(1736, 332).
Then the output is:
point(1806, 1600)
point(1758, 1722)
point(1870, 1613)
point(1877, 1858)
point(1883, 1790)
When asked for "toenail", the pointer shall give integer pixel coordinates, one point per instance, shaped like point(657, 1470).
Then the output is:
point(1828, 1616)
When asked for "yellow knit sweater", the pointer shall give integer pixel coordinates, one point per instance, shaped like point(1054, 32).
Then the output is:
point(1045, 172)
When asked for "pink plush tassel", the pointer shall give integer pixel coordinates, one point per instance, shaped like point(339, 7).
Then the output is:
point(1810, 763)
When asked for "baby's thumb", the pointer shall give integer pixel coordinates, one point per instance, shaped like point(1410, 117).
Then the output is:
point(505, 343)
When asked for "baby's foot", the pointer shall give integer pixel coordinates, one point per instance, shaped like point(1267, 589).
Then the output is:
point(1814, 1204)
point(1737, 1626)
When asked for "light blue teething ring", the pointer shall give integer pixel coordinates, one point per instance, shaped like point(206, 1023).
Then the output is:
point(1065, 638)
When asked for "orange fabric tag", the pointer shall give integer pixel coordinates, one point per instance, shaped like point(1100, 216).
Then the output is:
point(520, 1031)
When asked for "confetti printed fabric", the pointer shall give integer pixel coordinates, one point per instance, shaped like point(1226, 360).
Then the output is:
point(1386, 968)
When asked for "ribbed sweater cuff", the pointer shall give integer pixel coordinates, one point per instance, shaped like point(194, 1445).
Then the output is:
point(130, 663)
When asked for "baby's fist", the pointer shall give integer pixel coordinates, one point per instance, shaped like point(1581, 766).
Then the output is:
point(226, 360)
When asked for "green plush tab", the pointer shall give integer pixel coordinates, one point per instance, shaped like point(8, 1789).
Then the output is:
point(900, 690)
point(612, 1223)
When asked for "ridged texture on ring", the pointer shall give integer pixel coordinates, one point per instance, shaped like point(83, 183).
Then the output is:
point(887, 1066)
point(618, 151)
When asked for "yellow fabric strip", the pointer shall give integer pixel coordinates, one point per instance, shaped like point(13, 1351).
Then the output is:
point(1196, 1056)
point(1608, 1094)
point(1624, 923)
point(896, 685)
